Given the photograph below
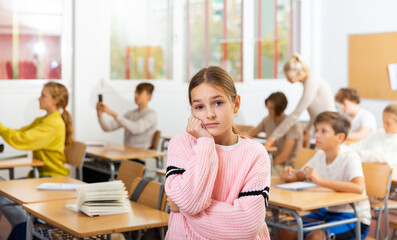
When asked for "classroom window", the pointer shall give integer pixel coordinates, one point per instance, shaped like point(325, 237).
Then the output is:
point(274, 36)
point(30, 39)
point(141, 44)
point(213, 36)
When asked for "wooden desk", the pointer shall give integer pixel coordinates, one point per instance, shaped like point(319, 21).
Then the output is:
point(25, 190)
point(80, 225)
point(114, 152)
point(10, 164)
point(161, 172)
point(308, 200)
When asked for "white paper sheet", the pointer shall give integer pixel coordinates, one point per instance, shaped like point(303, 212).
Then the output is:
point(297, 185)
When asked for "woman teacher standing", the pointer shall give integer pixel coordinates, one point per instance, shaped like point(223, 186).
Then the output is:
point(317, 97)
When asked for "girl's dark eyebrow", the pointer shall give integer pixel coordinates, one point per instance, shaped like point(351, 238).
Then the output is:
point(214, 97)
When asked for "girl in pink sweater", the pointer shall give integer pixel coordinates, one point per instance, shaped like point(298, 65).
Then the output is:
point(217, 182)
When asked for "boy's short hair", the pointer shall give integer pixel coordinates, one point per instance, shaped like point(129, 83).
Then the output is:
point(148, 87)
point(338, 122)
point(279, 101)
point(349, 94)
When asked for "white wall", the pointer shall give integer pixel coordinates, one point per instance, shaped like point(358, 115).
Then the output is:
point(339, 19)
point(169, 98)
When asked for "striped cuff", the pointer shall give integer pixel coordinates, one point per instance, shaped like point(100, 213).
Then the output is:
point(264, 193)
point(171, 170)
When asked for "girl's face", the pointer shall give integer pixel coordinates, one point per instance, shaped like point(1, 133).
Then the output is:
point(389, 123)
point(213, 106)
point(46, 101)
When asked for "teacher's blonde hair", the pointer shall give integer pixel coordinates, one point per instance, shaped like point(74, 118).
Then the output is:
point(295, 65)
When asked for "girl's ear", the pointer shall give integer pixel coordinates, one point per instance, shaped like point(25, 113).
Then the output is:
point(237, 104)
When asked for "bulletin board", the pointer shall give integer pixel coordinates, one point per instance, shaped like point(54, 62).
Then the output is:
point(369, 56)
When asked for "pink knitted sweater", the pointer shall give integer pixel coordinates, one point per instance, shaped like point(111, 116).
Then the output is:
point(221, 193)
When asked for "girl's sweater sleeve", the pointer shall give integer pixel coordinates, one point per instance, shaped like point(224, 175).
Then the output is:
point(191, 172)
point(29, 138)
point(245, 218)
point(309, 93)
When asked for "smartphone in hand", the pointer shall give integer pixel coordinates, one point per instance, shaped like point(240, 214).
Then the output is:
point(99, 97)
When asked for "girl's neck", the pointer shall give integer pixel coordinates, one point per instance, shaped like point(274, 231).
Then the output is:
point(227, 139)
point(331, 154)
point(51, 111)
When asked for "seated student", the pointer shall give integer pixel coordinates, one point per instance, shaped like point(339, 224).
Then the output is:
point(139, 124)
point(336, 167)
point(381, 145)
point(287, 145)
point(46, 136)
point(363, 121)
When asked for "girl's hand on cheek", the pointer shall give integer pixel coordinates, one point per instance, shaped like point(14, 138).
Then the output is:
point(196, 128)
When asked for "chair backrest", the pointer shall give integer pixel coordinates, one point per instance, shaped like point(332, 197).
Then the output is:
point(128, 171)
point(377, 179)
point(74, 153)
point(303, 156)
point(156, 139)
point(152, 195)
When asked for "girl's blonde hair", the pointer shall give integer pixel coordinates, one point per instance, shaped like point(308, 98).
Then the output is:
point(392, 110)
point(216, 76)
point(59, 92)
point(296, 65)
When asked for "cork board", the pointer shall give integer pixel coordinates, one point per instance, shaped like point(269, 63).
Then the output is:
point(369, 56)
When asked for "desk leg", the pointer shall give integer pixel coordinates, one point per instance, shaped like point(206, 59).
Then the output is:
point(29, 226)
point(299, 224)
point(11, 173)
point(35, 172)
point(358, 224)
point(112, 171)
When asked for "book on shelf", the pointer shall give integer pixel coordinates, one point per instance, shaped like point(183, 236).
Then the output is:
point(105, 198)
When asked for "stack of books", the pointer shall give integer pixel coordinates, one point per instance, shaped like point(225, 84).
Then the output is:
point(104, 198)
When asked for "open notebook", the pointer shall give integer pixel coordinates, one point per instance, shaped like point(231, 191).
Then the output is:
point(297, 185)
point(104, 198)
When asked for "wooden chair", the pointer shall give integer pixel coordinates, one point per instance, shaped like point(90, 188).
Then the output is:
point(128, 171)
point(377, 185)
point(303, 156)
point(155, 143)
point(151, 194)
point(75, 154)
